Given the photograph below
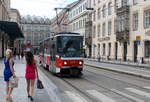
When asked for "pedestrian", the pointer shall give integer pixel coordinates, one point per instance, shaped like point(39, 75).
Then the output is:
point(18, 54)
point(31, 74)
point(14, 54)
point(8, 73)
point(22, 55)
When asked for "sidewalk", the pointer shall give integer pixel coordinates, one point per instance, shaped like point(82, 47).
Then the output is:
point(19, 94)
point(119, 62)
point(132, 70)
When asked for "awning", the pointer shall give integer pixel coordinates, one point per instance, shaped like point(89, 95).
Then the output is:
point(12, 29)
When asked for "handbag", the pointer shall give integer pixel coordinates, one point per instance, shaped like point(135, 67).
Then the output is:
point(39, 84)
point(13, 82)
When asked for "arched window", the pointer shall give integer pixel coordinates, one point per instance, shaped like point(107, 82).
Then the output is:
point(109, 8)
point(104, 11)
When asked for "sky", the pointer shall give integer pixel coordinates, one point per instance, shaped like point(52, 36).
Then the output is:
point(43, 8)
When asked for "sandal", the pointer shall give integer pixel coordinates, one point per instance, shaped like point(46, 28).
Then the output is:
point(9, 99)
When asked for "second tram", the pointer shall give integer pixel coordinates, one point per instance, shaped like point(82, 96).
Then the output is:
point(63, 53)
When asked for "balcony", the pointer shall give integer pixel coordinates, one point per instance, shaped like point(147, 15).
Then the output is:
point(123, 20)
point(122, 35)
point(88, 33)
point(123, 10)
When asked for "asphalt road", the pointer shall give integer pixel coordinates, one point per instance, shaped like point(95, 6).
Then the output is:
point(98, 85)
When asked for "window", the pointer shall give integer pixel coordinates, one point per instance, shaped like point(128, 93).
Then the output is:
point(98, 50)
point(83, 23)
point(135, 2)
point(147, 18)
point(116, 4)
point(76, 26)
point(98, 13)
point(98, 30)
point(135, 21)
point(94, 16)
point(109, 27)
point(104, 30)
point(110, 8)
point(147, 48)
point(103, 49)
point(94, 2)
point(125, 2)
point(109, 51)
point(94, 31)
point(104, 11)
point(121, 23)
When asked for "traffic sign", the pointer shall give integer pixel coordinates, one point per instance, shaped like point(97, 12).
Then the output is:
point(138, 42)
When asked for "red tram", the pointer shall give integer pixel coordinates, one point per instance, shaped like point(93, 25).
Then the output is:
point(63, 53)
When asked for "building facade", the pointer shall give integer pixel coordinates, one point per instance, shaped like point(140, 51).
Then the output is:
point(4, 16)
point(4, 10)
point(79, 22)
point(121, 30)
point(60, 23)
point(15, 17)
point(35, 30)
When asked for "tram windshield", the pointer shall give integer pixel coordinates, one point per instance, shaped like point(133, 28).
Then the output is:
point(70, 46)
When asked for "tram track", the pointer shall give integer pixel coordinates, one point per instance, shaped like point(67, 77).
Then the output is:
point(88, 96)
point(118, 79)
point(84, 94)
point(90, 99)
point(98, 85)
point(112, 89)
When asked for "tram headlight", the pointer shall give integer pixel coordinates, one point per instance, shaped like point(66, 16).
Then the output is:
point(80, 62)
point(65, 63)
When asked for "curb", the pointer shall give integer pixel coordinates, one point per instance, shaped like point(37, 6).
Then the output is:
point(50, 87)
point(119, 71)
point(130, 65)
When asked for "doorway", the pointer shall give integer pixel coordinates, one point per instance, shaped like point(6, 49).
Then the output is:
point(135, 51)
point(125, 51)
point(116, 50)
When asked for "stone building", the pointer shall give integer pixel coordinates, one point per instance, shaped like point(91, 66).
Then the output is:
point(80, 22)
point(4, 16)
point(121, 30)
point(4, 10)
point(9, 31)
point(60, 23)
point(15, 17)
point(35, 30)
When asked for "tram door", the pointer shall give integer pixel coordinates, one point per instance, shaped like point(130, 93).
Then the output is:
point(52, 56)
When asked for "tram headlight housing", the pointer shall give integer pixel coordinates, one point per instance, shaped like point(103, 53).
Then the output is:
point(80, 62)
point(65, 63)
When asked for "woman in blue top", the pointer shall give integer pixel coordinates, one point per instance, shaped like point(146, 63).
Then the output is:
point(8, 73)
